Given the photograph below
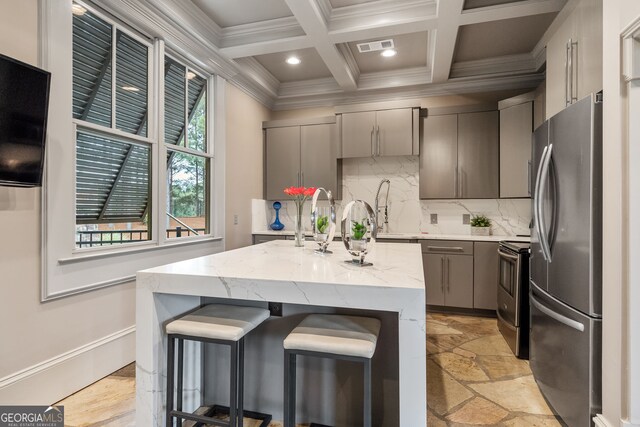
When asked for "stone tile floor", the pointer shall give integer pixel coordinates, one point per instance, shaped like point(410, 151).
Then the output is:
point(473, 379)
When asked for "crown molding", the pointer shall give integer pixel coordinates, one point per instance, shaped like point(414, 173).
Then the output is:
point(325, 8)
point(453, 86)
point(396, 78)
point(250, 67)
point(306, 88)
point(345, 50)
point(161, 19)
point(273, 29)
point(381, 19)
point(502, 65)
point(510, 10)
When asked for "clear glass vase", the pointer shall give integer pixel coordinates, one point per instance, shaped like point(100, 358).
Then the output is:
point(299, 237)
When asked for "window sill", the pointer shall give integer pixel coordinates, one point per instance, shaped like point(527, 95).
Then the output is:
point(120, 252)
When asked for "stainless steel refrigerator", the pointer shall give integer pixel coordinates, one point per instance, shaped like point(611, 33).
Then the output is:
point(566, 261)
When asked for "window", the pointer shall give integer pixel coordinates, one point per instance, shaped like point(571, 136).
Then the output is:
point(113, 151)
point(188, 156)
point(112, 176)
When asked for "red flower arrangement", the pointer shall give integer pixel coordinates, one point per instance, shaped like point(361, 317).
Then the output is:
point(300, 194)
point(303, 192)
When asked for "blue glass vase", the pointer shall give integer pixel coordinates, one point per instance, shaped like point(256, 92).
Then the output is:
point(277, 225)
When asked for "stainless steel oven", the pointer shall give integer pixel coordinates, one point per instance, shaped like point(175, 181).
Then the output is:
point(513, 296)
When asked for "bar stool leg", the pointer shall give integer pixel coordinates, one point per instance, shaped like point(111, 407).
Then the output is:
point(170, 367)
point(289, 389)
point(180, 373)
point(233, 403)
point(367, 393)
point(241, 383)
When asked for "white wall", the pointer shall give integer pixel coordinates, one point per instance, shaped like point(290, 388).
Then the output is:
point(32, 332)
point(244, 164)
point(616, 402)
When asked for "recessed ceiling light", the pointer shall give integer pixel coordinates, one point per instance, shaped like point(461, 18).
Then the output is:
point(190, 75)
point(293, 60)
point(78, 10)
point(130, 88)
point(388, 53)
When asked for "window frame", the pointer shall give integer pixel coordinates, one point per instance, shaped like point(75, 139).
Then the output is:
point(151, 140)
point(209, 154)
point(67, 270)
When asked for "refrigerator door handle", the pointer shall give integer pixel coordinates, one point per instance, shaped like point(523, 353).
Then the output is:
point(536, 198)
point(544, 238)
point(556, 316)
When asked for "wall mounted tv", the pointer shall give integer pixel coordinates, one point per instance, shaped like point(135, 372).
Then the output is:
point(24, 102)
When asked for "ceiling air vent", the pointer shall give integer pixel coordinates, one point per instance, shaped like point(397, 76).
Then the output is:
point(374, 46)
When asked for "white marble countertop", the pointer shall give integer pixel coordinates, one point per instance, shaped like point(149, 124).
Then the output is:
point(278, 271)
point(417, 236)
point(394, 265)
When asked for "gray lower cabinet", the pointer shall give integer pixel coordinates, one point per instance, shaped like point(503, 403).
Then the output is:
point(303, 155)
point(486, 265)
point(433, 265)
point(448, 273)
point(263, 238)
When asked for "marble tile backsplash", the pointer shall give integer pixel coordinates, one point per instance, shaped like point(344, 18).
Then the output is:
point(407, 213)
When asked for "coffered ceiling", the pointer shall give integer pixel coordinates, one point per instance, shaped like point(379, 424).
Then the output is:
point(443, 46)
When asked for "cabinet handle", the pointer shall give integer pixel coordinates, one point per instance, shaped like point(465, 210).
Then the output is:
point(448, 288)
point(446, 248)
point(460, 178)
point(566, 73)
point(442, 274)
point(574, 72)
point(373, 150)
point(455, 182)
point(302, 179)
point(378, 138)
point(529, 177)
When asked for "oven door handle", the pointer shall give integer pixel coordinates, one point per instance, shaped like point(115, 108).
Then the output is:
point(507, 255)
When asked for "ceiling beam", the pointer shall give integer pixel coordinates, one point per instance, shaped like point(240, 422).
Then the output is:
point(446, 35)
point(510, 10)
point(267, 46)
point(313, 23)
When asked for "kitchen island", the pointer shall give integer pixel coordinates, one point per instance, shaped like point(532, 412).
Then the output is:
point(303, 282)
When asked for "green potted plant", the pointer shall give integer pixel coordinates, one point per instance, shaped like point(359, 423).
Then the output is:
point(480, 225)
point(358, 235)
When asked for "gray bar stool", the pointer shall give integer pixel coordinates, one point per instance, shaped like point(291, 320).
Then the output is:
point(330, 336)
point(217, 324)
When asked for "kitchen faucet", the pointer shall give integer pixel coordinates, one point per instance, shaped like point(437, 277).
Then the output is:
point(385, 225)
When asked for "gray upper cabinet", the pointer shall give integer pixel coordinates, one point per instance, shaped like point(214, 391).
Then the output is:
point(300, 155)
point(282, 161)
point(318, 156)
point(516, 128)
point(394, 131)
point(358, 131)
point(459, 156)
point(486, 265)
point(379, 133)
point(478, 154)
point(439, 157)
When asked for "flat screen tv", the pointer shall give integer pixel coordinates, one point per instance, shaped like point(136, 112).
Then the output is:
point(24, 102)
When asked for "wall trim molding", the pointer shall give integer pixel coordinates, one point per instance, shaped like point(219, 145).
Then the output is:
point(502, 65)
point(600, 421)
point(51, 380)
point(453, 86)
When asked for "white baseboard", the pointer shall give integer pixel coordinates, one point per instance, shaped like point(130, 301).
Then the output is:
point(601, 421)
point(56, 378)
